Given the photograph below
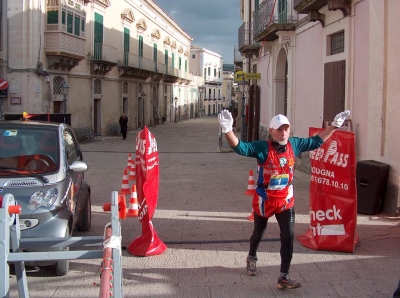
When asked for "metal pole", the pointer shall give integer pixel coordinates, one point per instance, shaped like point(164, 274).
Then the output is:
point(143, 111)
point(65, 104)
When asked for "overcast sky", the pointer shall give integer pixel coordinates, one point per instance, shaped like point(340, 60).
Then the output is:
point(213, 24)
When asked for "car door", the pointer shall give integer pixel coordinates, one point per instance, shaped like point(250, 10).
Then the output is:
point(74, 179)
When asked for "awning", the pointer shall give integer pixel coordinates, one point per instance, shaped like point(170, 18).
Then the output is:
point(3, 84)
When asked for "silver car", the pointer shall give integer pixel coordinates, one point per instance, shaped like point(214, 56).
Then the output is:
point(41, 164)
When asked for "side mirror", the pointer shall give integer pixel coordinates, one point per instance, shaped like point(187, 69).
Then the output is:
point(78, 166)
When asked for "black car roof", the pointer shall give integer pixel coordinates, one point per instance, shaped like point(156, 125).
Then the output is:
point(24, 124)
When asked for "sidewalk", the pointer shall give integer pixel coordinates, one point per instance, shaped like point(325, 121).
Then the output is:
point(202, 217)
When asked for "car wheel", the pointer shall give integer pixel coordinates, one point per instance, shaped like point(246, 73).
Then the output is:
point(62, 266)
point(86, 217)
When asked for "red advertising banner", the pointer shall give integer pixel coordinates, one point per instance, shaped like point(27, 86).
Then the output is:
point(147, 176)
point(333, 194)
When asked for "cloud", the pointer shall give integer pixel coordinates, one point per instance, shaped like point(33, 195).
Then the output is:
point(213, 24)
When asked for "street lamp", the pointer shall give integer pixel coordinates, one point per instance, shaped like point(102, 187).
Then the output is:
point(143, 96)
point(65, 91)
point(176, 104)
point(242, 85)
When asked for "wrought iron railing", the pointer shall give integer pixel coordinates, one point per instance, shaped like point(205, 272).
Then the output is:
point(273, 12)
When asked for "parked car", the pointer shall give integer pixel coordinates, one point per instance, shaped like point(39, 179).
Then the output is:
point(42, 166)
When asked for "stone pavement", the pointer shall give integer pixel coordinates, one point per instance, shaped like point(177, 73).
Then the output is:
point(202, 217)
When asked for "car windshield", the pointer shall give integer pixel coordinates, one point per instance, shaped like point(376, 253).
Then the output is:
point(27, 151)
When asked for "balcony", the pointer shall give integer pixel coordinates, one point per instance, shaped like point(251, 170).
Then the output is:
point(237, 58)
point(246, 43)
point(270, 18)
point(311, 7)
point(102, 59)
point(63, 50)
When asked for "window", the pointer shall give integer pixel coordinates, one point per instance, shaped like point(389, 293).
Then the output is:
point(336, 43)
point(98, 36)
point(180, 63)
point(205, 73)
point(155, 53)
point(173, 60)
point(166, 58)
point(70, 147)
point(72, 20)
point(77, 26)
point(57, 84)
point(193, 56)
point(126, 46)
point(140, 46)
point(209, 71)
point(186, 66)
point(215, 72)
point(52, 17)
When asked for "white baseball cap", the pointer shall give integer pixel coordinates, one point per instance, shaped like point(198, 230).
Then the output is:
point(278, 120)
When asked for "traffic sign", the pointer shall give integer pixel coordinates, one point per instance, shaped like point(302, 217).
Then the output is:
point(252, 76)
point(3, 84)
point(239, 75)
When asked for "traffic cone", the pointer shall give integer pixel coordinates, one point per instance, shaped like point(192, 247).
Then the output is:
point(251, 188)
point(125, 189)
point(132, 171)
point(129, 165)
point(133, 208)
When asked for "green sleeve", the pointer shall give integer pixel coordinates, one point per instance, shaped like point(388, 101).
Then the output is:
point(256, 149)
point(305, 144)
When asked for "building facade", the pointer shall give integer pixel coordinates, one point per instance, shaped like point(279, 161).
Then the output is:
point(330, 55)
point(115, 56)
point(208, 65)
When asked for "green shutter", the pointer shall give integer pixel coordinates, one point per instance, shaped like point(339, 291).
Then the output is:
point(77, 27)
point(126, 46)
point(98, 36)
point(52, 17)
point(69, 22)
point(63, 17)
point(83, 25)
point(155, 53)
point(140, 46)
point(186, 65)
point(256, 3)
point(282, 11)
point(180, 63)
point(166, 58)
point(173, 60)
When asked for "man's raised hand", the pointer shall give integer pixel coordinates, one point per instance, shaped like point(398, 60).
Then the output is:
point(340, 118)
point(225, 121)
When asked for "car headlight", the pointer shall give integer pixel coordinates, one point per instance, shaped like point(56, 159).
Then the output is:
point(41, 198)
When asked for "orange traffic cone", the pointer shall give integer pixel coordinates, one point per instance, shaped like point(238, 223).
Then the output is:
point(125, 183)
point(133, 208)
point(251, 188)
point(129, 165)
point(132, 171)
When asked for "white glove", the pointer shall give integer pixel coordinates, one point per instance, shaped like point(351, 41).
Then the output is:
point(225, 121)
point(339, 118)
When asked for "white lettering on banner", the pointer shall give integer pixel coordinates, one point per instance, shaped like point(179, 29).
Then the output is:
point(322, 172)
point(143, 209)
point(330, 214)
point(328, 230)
point(153, 145)
point(332, 155)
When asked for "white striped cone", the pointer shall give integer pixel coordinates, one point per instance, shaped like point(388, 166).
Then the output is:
point(132, 171)
point(133, 209)
point(125, 189)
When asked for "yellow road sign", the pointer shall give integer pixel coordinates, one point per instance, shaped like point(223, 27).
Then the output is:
point(252, 76)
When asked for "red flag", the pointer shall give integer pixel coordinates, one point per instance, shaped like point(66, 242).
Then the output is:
point(147, 176)
point(333, 194)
